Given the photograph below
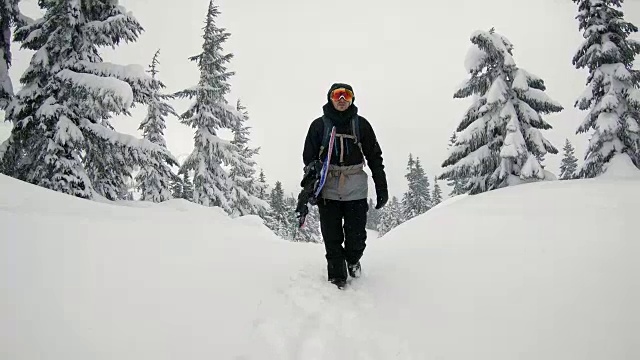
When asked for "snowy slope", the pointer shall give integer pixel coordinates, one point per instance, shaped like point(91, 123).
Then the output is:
point(539, 271)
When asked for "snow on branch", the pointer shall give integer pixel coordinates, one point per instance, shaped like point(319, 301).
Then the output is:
point(120, 26)
point(125, 140)
point(107, 89)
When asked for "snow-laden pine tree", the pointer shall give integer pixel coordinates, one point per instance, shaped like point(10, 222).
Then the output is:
point(176, 188)
point(569, 163)
point(154, 180)
point(500, 133)
point(280, 220)
point(310, 232)
point(245, 189)
point(408, 199)
point(187, 186)
point(263, 187)
point(10, 16)
point(264, 194)
point(390, 216)
point(612, 95)
point(458, 180)
point(373, 216)
point(417, 199)
point(209, 113)
point(436, 196)
point(61, 138)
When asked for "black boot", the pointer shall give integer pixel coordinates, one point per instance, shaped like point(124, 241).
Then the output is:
point(355, 270)
point(337, 272)
point(340, 283)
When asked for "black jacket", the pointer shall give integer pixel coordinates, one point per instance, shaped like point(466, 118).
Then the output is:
point(351, 152)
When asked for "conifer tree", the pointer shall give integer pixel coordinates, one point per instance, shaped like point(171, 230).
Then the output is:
point(409, 207)
point(10, 16)
point(176, 188)
point(280, 221)
point(373, 216)
point(263, 187)
point(500, 133)
point(612, 95)
point(154, 180)
point(209, 113)
point(390, 217)
point(62, 138)
point(310, 232)
point(569, 163)
point(458, 180)
point(187, 186)
point(417, 199)
point(436, 197)
point(245, 191)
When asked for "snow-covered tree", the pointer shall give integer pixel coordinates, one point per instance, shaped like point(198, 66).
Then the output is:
point(612, 95)
point(62, 138)
point(373, 216)
point(245, 190)
point(417, 199)
point(209, 113)
point(280, 220)
point(187, 186)
point(263, 187)
point(310, 232)
point(500, 133)
point(390, 216)
point(436, 196)
point(176, 188)
point(457, 181)
point(8, 14)
point(154, 180)
point(569, 163)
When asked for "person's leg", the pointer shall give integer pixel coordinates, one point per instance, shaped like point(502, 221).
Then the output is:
point(331, 213)
point(355, 221)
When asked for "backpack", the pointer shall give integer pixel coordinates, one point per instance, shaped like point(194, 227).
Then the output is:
point(355, 135)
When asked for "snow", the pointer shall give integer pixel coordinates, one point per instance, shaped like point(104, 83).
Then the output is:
point(497, 92)
point(531, 169)
point(125, 139)
point(540, 97)
point(499, 42)
point(67, 132)
point(521, 81)
point(130, 73)
point(545, 270)
point(634, 96)
point(608, 122)
point(475, 59)
point(621, 167)
point(106, 88)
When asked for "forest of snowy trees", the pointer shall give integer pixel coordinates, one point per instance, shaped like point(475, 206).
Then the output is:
point(62, 138)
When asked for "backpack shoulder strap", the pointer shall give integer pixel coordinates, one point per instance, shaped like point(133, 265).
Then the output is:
point(355, 130)
point(326, 135)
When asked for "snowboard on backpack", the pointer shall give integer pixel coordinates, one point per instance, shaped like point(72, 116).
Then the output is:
point(325, 165)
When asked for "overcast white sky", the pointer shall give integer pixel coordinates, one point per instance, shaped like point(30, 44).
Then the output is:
point(404, 59)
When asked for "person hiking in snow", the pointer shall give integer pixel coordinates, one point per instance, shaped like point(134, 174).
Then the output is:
point(344, 196)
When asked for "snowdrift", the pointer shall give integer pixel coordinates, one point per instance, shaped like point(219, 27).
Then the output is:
point(539, 271)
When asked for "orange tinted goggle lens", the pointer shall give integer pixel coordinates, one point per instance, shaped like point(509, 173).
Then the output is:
point(338, 93)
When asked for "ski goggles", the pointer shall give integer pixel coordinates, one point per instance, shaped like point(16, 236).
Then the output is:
point(342, 93)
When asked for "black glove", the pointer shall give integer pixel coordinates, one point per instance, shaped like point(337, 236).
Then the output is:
point(382, 197)
point(302, 209)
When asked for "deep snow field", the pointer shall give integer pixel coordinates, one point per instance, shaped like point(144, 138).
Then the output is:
point(543, 271)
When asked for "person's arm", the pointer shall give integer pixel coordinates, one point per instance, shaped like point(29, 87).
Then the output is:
point(373, 153)
point(311, 144)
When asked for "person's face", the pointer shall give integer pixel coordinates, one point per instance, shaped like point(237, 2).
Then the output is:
point(341, 99)
point(341, 104)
